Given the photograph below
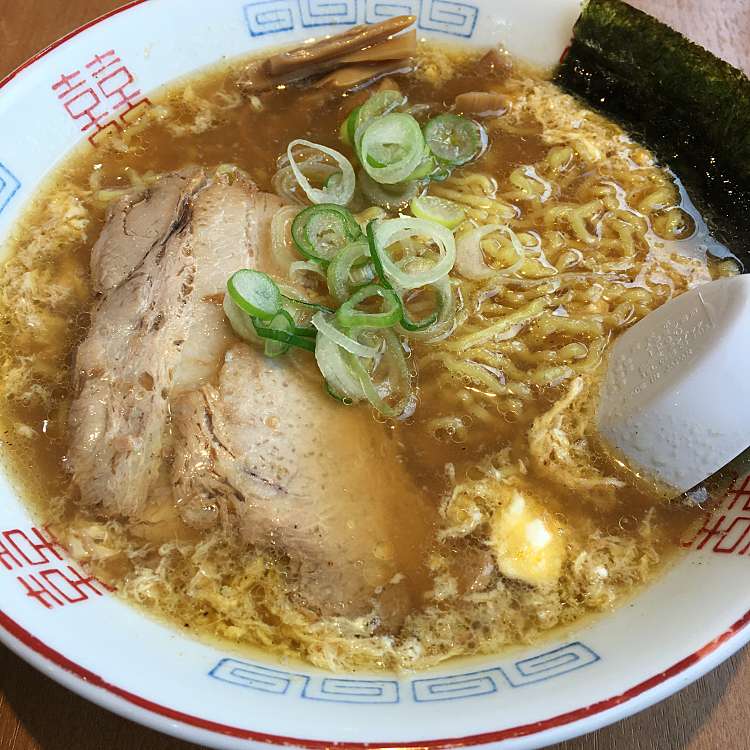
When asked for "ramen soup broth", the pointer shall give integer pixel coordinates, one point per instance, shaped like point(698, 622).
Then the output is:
point(499, 441)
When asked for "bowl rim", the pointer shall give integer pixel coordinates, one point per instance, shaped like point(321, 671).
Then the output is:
point(571, 724)
point(131, 706)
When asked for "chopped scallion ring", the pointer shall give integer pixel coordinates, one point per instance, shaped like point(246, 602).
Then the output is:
point(281, 322)
point(308, 333)
point(345, 400)
point(320, 232)
point(376, 106)
point(392, 147)
point(396, 384)
point(442, 311)
point(439, 210)
point(349, 127)
point(383, 234)
point(297, 302)
point(470, 260)
point(302, 311)
point(281, 329)
point(349, 269)
point(335, 366)
point(255, 293)
point(445, 322)
point(375, 254)
point(241, 322)
point(390, 197)
point(426, 168)
point(408, 324)
point(392, 283)
point(348, 316)
point(454, 139)
point(339, 191)
point(327, 328)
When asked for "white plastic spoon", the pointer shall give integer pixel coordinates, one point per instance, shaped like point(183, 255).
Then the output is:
point(675, 402)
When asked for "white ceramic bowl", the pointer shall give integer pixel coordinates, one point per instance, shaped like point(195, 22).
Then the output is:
point(72, 629)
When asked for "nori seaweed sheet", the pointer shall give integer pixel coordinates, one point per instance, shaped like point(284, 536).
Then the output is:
point(689, 107)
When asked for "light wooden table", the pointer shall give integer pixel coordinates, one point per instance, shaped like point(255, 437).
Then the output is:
point(37, 714)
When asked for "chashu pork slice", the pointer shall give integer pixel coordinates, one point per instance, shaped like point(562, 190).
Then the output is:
point(297, 472)
point(138, 222)
point(160, 266)
point(230, 223)
point(144, 272)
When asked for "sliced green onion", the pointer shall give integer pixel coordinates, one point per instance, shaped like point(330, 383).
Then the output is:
point(417, 325)
point(293, 300)
point(309, 266)
point(306, 332)
point(439, 210)
point(338, 191)
point(322, 322)
point(390, 197)
point(345, 400)
point(281, 329)
point(381, 234)
point(426, 321)
point(278, 332)
point(395, 362)
point(313, 166)
point(375, 254)
point(353, 260)
point(241, 322)
point(392, 147)
point(444, 307)
point(376, 106)
point(283, 323)
point(445, 322)
point(254, 292)
point(348, 316)
point(335, 365)
point(320, 232)
point(454, 139)
point(350, 378)
point(349, 126)
point(302, 312)
point(426, 168)
point(470, 261)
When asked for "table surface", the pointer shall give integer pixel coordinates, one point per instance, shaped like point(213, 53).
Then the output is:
point(37, 714)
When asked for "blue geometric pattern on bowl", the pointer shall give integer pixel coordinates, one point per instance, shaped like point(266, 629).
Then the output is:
point(539, 668)
point(331, 689)
point(458, 19)
point(551, 664)
point(276, 16)
point(545, 666)
point(9, 186)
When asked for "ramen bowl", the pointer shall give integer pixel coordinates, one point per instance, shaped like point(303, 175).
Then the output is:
point(73, 628)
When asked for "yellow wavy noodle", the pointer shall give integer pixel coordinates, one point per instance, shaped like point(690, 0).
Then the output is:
point(589, 213)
